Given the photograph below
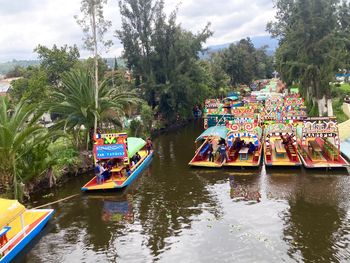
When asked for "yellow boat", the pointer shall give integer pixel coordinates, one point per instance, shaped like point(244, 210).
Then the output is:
point(201, 158)
point(18, 226)
point(244, 141)
point(280, 145)
point(119, 147)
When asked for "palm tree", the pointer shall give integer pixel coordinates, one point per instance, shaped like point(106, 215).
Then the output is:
point(75, 102)
point(19, 135)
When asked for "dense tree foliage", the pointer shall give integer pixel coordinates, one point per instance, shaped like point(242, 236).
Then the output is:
point(163, 57)
point(243, 62)
point(314, 40)
point(57, 60)
point(33, 87)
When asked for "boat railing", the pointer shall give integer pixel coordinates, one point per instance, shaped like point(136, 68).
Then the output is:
point(12, 240)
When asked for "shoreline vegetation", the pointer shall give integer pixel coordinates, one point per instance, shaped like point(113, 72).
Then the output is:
point(51, 110)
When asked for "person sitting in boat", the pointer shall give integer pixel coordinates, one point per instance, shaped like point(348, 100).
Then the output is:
point(149, 145)
point(111, 163)
point(210, 152)
point(251, 147)
point(106, 174)
point(128, 171)
point(237, 145)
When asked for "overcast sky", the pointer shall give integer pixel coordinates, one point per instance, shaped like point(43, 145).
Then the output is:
point(27, 23)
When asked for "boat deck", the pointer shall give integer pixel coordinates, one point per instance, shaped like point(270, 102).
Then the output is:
point(277, 154)
point(320, 159)
point(253, 160)
point(29, 217)
point(201, 158)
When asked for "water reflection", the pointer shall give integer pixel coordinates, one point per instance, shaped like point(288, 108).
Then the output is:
point(174, 213)
point(247, 191)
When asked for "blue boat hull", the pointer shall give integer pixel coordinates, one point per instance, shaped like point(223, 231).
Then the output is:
point(138, 171)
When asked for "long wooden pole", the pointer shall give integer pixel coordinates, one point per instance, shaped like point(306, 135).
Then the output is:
point(58, 201)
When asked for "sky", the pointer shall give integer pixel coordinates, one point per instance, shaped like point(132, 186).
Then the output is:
point(27, 23)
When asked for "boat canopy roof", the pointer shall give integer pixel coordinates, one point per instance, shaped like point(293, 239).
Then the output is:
point(216, 131)
point(233, 97)
point(134, 145)
point(10, 210)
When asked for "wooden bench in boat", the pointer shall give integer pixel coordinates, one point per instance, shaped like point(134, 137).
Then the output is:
point(268, 153)
point(280, 150)
point(256, 156)
point(315, 148)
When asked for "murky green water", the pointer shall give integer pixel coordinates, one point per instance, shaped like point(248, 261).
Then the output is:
point(174, 213)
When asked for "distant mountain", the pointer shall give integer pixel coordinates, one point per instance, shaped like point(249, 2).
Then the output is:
point(258, 42)
point(10, 65)
point(7, 66)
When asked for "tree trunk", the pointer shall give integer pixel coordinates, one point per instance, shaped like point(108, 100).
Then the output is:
point(322, 106)
point(93, 26)
point(330, 107)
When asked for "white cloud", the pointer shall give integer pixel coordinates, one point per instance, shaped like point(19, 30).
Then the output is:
point(25, 24)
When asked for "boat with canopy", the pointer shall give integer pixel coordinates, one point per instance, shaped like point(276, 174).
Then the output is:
point(211, 137)
point(18, 226)
point(117, 153)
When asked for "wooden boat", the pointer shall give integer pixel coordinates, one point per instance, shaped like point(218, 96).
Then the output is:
point(319, 144)
point(121, 148)
point(247, 131)
point(213, 135)
point(280, 145)
point(18, 226)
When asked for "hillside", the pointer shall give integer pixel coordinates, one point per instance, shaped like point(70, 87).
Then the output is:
point(258, 42)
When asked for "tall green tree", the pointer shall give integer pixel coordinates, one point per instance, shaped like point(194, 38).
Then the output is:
point(163, 57)
point(94, 26)
point(57, 60)
point(312, 44)
point(243, 62)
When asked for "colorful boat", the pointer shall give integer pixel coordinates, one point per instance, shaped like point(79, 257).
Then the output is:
point(213, 135)
point(280, 145)
point(18, 226)
point(244, 141)
point(319, 144)
point(120, 148)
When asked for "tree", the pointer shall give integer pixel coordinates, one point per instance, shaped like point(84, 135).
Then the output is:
point(33, 87)
point(243, 62)
point(312, 44)
point(20, 138)
point(75, 103)
point(94, 27)
point(56, 60)
point(163, 57)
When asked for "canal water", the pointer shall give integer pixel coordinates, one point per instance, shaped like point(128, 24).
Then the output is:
point(174, 213)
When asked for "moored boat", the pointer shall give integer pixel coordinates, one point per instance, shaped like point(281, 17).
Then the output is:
point(319, 143)
point(18, 226)
point(117, 151)
point(209, 138)
point(280, 145)
point(244, 142)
